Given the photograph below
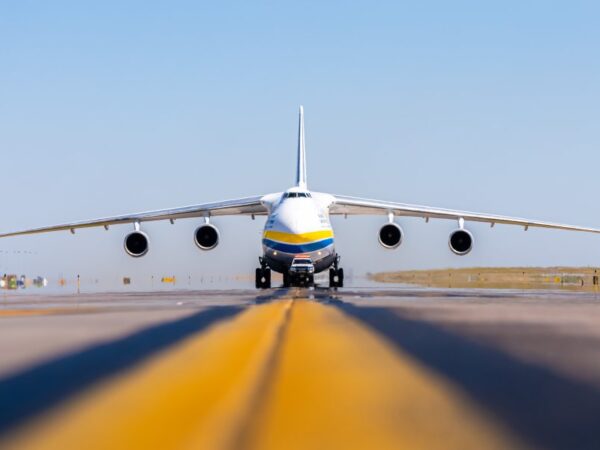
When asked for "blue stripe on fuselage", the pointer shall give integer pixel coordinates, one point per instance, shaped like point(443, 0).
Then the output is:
point(299, 248)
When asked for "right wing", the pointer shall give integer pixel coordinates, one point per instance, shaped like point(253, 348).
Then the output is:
point(258, 205)
point(344, 205)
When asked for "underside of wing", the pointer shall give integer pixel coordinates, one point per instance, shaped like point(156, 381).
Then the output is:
point(359, 206)
point(257, 205)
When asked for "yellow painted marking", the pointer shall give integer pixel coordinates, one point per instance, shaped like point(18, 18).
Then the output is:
point(191, 397)
point(303, 238)
point(284, 375)
point(43, 312)
point(340, 386)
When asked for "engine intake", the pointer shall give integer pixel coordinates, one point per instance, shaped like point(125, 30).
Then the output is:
point(136, 244)
point(461, 242)
point(390, 235)
point(206, 236)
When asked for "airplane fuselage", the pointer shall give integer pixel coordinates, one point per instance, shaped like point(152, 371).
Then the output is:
point(298, 224)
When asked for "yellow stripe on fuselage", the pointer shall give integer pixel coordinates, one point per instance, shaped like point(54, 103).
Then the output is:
point(302, 238)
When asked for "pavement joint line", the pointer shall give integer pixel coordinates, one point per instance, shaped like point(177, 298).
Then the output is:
point(241, 436)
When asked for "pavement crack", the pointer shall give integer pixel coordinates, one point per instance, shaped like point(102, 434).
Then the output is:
point(243, 437)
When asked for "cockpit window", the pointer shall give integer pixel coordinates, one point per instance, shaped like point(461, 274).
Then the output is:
point(296, 195)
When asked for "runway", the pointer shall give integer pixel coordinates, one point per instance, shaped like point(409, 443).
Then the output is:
point(356, 368)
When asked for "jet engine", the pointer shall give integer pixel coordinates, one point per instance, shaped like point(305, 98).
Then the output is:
point(460, 241)
point(206, 236)
point(136, 243)
point(390, 235)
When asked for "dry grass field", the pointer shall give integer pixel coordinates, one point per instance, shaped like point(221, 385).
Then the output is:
point(568, 278)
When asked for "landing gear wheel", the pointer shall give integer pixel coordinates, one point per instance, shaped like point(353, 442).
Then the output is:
point(286, 280)
point(336, 278)
point(263, 278)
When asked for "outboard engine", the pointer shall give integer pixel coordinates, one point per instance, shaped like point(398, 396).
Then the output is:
point(136, 244)
point(460, 241)
point(390, 235)
point(206, 236)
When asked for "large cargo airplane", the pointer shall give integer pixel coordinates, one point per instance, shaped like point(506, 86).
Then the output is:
point(298, 239)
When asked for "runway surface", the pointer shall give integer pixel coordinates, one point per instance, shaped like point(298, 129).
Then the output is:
point(301, 369)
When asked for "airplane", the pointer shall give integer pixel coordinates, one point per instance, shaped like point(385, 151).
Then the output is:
point(298, 239)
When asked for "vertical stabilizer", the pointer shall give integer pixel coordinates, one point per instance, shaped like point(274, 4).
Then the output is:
point(301, 163)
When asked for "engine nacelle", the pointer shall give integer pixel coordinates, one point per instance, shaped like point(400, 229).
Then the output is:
point(206, 236)
point(390, 235)
point(460, 241)
point(136, 244)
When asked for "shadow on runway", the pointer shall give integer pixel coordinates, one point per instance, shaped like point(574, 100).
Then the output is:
point(271, 294)
point(34, 390)
point(545, 409)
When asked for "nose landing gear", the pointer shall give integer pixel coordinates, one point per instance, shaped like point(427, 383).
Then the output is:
point(263, 276)
point(336, 274)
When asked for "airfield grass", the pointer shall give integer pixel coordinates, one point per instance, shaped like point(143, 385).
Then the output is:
point(567, 278)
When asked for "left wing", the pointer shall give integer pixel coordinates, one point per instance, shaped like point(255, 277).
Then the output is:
point(351, 205)
point(258, 205)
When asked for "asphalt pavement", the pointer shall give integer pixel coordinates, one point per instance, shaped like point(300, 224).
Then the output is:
point(375, 367)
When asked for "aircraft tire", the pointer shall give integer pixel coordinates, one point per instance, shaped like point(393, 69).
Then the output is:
point(258, 278)
point(336, 278)
point(263, 278)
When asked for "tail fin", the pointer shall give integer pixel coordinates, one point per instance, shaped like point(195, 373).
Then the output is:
point(301, 163)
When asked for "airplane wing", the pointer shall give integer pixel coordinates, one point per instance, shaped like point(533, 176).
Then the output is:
point(242, 206)
point(343, 205)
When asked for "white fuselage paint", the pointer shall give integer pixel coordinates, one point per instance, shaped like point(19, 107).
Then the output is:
point(298, 224)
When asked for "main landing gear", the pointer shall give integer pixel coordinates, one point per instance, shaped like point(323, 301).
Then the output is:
point(263, 276)
point(336, 274)
point(287, 280)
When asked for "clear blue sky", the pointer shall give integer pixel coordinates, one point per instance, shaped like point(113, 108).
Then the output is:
point(111, 107)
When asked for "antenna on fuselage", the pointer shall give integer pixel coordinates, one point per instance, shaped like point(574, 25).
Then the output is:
point(301, 162)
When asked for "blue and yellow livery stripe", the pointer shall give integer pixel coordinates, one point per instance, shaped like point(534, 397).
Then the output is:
point(298, 243)
point(298, 248)
point(301, 238)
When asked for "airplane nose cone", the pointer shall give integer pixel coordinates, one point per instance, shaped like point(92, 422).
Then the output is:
point(291, 225)
point(299, 217)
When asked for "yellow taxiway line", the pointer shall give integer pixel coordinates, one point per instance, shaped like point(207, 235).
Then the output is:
point(43, 312)
point(291, 374)
point(340, 386)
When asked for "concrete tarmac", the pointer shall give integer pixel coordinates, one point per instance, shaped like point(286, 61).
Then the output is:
point(372, 367)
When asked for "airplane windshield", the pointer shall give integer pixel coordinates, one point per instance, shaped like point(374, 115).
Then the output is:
point(296, 195)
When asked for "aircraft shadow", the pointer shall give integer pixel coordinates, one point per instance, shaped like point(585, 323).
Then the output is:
point(36, 389)
point(542, 407)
